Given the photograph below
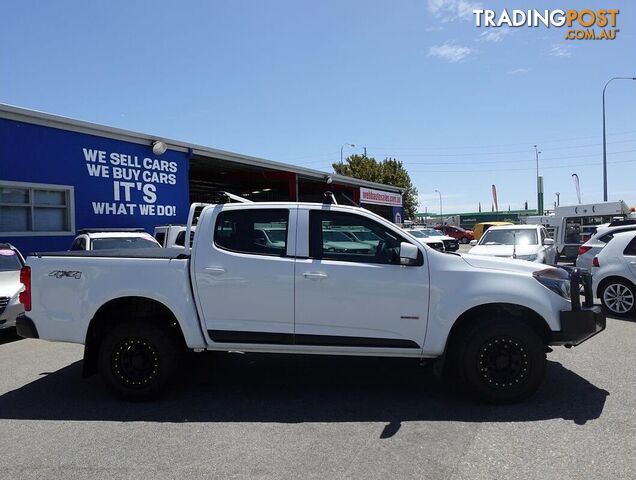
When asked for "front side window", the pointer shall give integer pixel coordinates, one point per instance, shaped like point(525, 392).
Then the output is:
point(258, 231)
point(328, 239)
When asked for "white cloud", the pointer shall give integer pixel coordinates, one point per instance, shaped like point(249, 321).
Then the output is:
point(450, 10)
point(495, 35)
point(560, 50)
point(518, 71)
point(434, 29)
point(450, 52)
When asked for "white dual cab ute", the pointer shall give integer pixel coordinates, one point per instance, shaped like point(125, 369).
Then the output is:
point(137, 311)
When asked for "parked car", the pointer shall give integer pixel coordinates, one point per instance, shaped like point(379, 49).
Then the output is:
point(523, 242)
point(480, 228)
point(450, 244)
point(594, 245)
point(423, 237)
point(172, 235)
point(464, 236)
point(338, 241)
point(113, 238)
point(614, 275)
point(11, 262)
point(137, 311)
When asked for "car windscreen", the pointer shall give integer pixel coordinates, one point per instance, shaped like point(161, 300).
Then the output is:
point(122, 242)
point(365, 235)
point(433, 233)
point(331, 236)
point(276, 235)
point(509, 237)
point(9, 261)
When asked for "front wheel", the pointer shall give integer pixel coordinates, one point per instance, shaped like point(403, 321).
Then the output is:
point(618, 298)
point(501, 360)
point(138, 359)
point(464, 240)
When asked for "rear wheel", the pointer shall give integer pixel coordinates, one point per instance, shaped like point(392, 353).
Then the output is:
point(501, 360)
point(138, 359)
point(618, 298)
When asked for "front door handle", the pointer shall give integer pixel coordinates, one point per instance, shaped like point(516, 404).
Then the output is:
point(214, 270)
point(315, 275)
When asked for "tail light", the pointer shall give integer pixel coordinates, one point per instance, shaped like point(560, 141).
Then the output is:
point(583, 249)
point(25, 295)
point(595, 262)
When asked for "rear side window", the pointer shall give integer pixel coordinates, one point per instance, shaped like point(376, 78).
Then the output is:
point(606, 238)
point(160, 237)
point(258, 231)
point(630, 249)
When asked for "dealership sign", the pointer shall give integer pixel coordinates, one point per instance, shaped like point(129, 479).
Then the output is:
point(379, 197)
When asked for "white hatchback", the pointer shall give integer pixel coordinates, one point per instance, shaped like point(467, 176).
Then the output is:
point(523, 242)
point(614, 275)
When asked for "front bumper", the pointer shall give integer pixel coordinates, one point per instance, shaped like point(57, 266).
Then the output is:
point(451, 245)
point(584, 320)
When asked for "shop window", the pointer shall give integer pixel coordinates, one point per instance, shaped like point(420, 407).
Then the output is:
point(35, 209)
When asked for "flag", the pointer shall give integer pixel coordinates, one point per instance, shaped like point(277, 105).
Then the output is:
point(494, 198)
point(577, 185)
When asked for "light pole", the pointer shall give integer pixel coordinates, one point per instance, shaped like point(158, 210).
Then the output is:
point(344, 145)
point(539, 189)
point(440, 207)
point(558, 202)
point(604, 142)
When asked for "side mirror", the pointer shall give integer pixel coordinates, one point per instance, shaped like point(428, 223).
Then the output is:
point(473, 243)
point(408, 254)
point(548, 242)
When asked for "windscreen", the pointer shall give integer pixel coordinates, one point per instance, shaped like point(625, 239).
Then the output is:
point(9, 261)
point(509, 237)
point(122, 242)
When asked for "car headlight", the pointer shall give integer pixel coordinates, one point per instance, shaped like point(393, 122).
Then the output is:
point(529, 258)
point(555, 279)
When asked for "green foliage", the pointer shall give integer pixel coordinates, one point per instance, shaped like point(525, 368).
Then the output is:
point(389, 172)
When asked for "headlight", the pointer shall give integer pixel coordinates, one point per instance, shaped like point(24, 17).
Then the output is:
point(529, 258)
point(556, 280)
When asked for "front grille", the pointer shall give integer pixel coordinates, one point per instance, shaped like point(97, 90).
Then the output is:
point(4, 301)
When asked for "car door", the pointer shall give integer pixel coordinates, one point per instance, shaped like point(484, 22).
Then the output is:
point(630, 257)
point(350, 297)
point(245, 288)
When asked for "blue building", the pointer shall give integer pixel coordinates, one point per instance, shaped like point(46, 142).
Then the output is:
point(59, 175)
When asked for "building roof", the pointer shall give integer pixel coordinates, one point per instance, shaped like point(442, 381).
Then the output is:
point(56, 121)
point(480, 214)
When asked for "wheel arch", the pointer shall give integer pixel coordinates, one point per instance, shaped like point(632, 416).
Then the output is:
point(611, 278)
point(519, 312)
point(124, 309)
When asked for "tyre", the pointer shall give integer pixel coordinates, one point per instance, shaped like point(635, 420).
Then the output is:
point(500, 360)
point(464, 240)
point(138, 359)
point(618, 298)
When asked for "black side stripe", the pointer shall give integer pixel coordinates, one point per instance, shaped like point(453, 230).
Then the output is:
point(268, 338)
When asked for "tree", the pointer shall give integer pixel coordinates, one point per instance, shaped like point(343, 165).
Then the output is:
point(389, 171)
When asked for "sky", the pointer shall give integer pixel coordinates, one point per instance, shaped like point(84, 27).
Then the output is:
point(293, 81)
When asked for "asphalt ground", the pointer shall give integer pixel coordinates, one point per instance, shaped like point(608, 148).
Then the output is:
point(279, 416)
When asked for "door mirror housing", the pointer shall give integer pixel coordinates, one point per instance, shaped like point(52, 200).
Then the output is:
point(473, 243)
point(408, 254)
point(548, 242)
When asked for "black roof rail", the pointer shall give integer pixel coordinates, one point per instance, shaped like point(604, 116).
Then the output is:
point(83, 231)
point(620, 223)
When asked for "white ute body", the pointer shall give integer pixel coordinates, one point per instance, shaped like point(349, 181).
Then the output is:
point(289, 302)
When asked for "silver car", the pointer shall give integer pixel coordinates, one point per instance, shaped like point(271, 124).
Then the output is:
point(596, 243)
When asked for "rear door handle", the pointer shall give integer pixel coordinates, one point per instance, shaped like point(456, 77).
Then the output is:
point(214, 270)
point(315, 275)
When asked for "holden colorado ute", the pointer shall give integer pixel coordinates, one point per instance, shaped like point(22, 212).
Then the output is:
point(138, 311)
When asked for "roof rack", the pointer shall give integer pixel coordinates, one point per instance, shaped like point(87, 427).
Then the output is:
point(83, 231)
point(620, 223)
